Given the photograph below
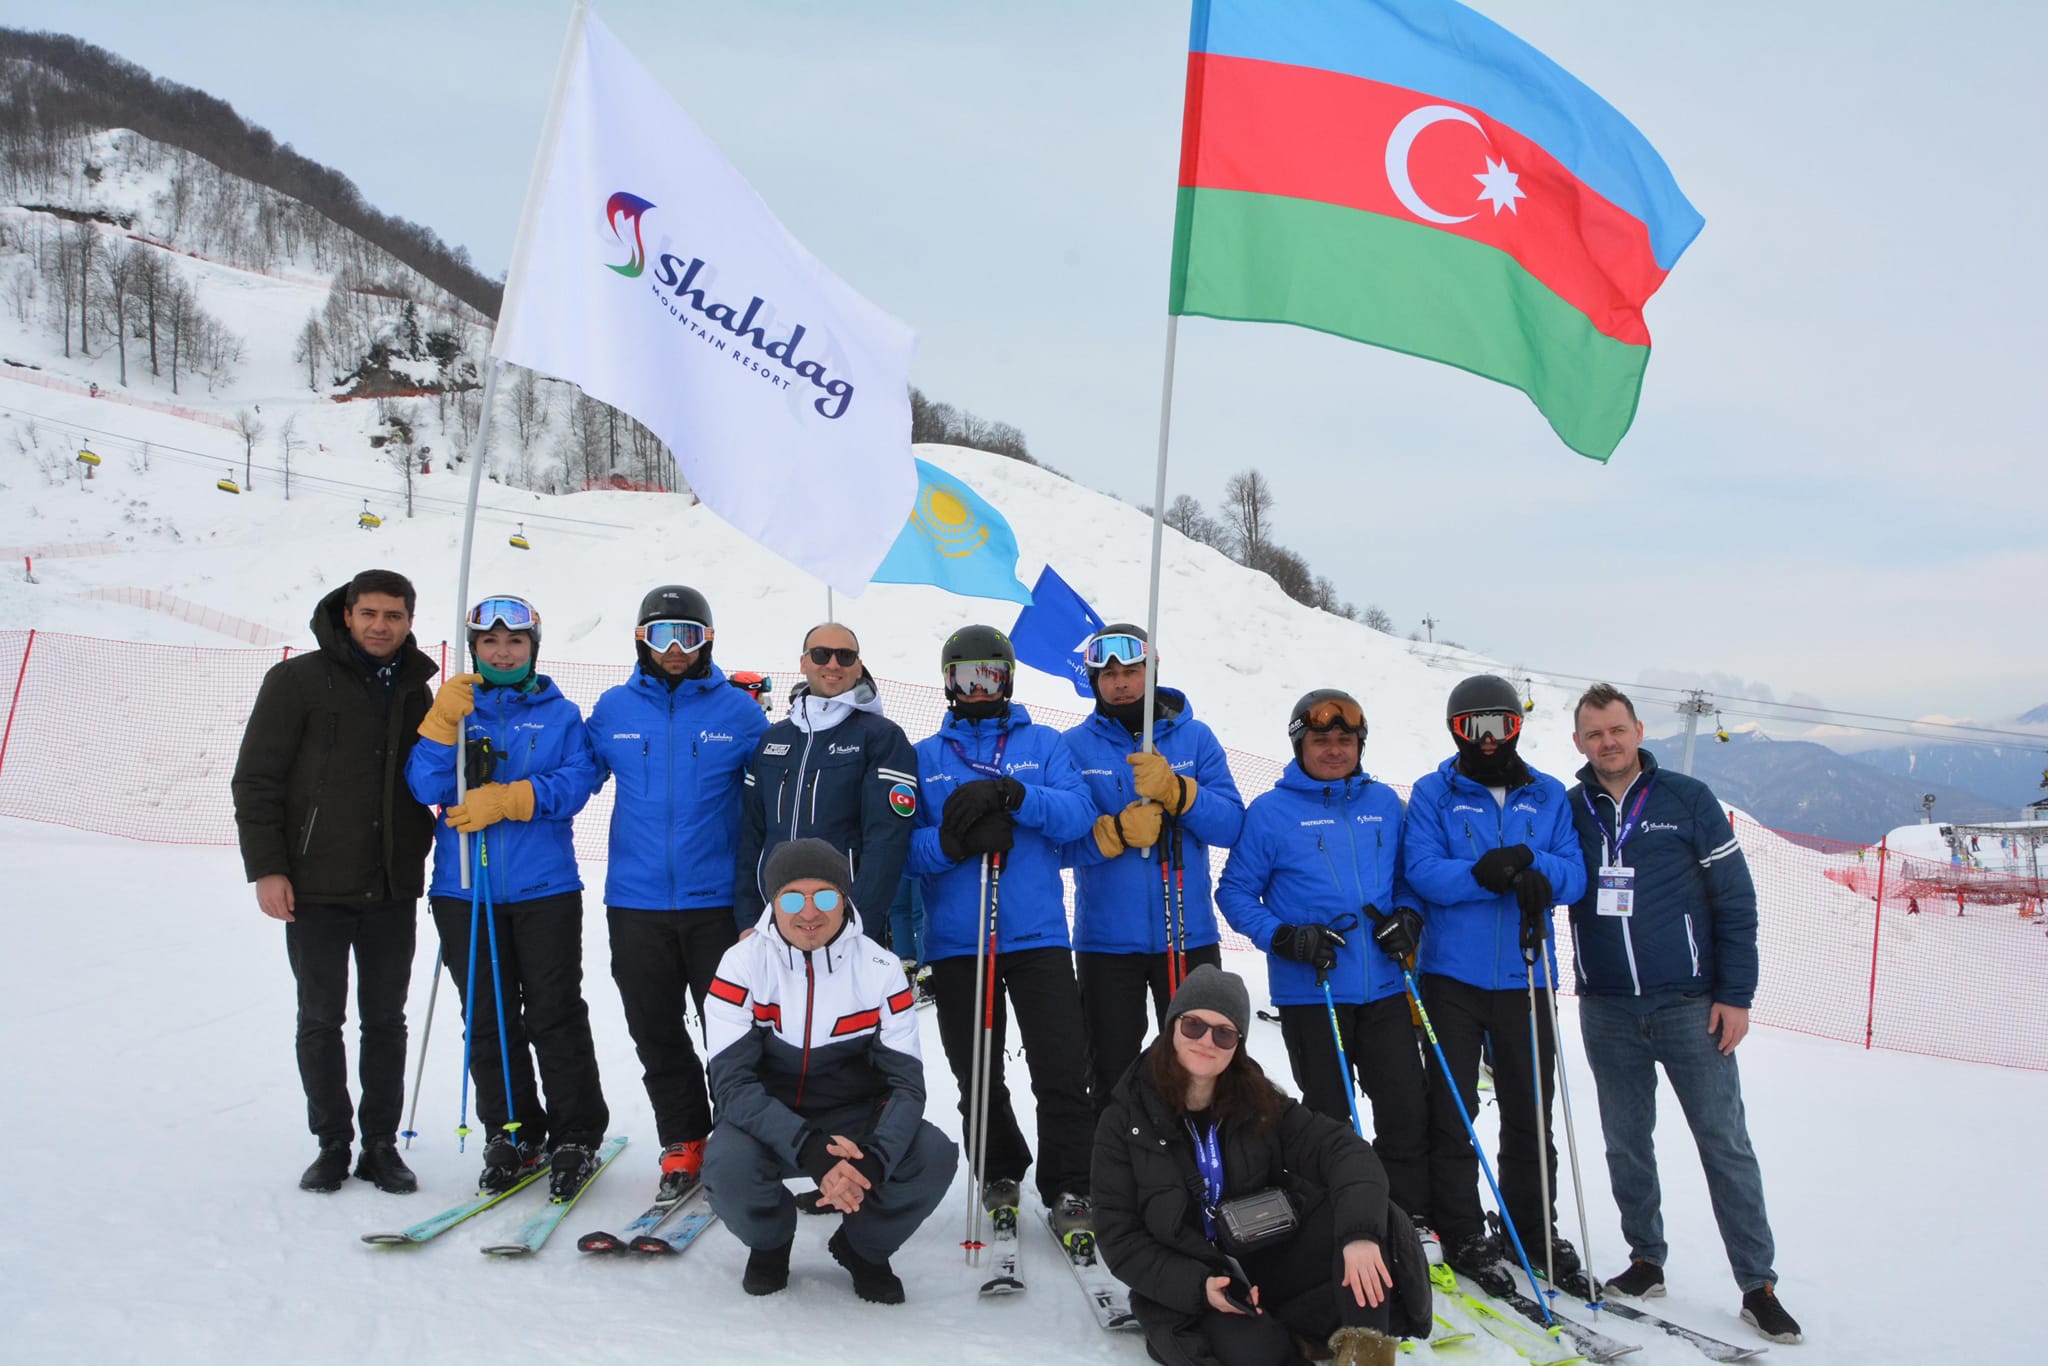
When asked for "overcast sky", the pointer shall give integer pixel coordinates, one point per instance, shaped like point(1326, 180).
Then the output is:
point(1833, 488)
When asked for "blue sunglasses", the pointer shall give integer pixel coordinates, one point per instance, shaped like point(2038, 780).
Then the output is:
point(825, 900)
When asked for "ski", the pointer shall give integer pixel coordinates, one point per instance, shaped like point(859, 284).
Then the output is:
point(1592, 1344)
point(685, 1232)
point(1713, 1348)
point(1107, 1298)
point(1002, 1251)
point(1531, 1342)
point(534, 1232)
point(1444, 1333)
point(427, 1229)
point(651, 1218)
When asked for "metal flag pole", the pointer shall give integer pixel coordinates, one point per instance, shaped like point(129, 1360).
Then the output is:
point(476, 479)
point(1158, 535)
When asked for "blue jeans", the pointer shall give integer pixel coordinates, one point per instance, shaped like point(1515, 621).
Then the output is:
point(1624, 1049)
point(906, 921)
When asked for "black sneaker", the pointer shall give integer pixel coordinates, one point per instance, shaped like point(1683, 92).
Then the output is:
point(872, 1281)
point(329, 1169)
point(1643, 1281)
point(767, 1269)
point(381, 1164)
point(1477, 1257)
point(1761, 1311)
point(507, 1162)
point(572, 1165)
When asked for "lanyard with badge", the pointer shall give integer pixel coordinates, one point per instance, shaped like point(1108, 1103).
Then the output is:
point(1209, 1160)
point(1616, 884)
point(989, 770)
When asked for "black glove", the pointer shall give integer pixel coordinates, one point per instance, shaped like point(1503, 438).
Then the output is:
point(1533, 894)
point(479, 762)
point(1012, 790)
point(970, 802)
point(1315, 945)
point(994, 833)
point(1496, 868)
point(951, 847)
point(1397, 934)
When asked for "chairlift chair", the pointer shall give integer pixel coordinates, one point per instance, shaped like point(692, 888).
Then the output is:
point(226, 483)
point(87, 458)
point(518, 539)
point(1720, 730)
point(368, 520)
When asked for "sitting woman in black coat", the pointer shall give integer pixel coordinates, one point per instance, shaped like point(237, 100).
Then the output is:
point(1194, 1126)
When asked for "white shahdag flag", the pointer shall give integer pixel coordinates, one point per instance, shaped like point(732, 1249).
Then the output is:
point(648, 272)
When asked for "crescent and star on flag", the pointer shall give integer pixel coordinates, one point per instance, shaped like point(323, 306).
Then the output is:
point(1499, 186)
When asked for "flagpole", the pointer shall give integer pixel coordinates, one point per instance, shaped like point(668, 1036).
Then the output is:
point(476, 479)
point(1158, 533)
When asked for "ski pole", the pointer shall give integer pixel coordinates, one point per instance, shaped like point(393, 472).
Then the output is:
point(971, 1243)
point(1343, 1060)
point(1542, 1125)
point(1166, 913)
point(1415, 998)
point(1571, 1139)
point(483, 868)
point(419, 1071)
point(986, 1040)
point(1180, 907)
point(468, 1011)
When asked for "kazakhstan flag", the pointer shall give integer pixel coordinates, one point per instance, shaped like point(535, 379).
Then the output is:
point(954, 541)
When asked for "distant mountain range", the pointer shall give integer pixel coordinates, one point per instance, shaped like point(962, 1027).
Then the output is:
point(1805, 788)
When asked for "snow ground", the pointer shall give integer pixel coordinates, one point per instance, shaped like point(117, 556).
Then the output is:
point(149, 1051)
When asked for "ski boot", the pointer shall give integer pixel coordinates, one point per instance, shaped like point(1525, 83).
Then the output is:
point(682, 1166)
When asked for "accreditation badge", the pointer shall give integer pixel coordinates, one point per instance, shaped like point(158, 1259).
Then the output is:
point(1617, 891)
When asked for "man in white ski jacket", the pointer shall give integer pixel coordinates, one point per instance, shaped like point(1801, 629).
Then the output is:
point(816, 1071)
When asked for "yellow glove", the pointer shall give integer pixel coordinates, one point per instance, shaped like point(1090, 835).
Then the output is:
point(455, 701)
point(1155, 778)
point(1140, 822)
point(491, 803)
point(1106, 837)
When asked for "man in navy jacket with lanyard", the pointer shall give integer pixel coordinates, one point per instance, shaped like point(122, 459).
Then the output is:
point(1665, 944)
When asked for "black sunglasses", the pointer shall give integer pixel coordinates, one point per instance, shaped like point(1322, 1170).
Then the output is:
point(1191, 1028)
point(825, 654)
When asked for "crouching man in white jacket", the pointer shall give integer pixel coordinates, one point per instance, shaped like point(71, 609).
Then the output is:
point(816, 1071)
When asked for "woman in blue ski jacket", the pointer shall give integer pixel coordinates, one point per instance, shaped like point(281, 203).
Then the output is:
point(529, 770)
point(1315, 880)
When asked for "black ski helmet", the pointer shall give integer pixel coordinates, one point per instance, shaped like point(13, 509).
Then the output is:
point(1482, 692)
point(674, 602)
point(1125, 628)
point(1297, 720)
point(970, 643)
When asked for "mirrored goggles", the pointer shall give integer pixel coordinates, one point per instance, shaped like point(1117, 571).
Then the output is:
point(1224, 1035)
point(990, 676)
point(1475, 726)
point(792, 903)
point(1335, 713)
point(748, 681)
point(514, 614)
point(1124, 649)
point(825, 654)
point(663, 636)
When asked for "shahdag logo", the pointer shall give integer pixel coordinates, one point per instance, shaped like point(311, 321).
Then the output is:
point(682, 291)
point(943, 517)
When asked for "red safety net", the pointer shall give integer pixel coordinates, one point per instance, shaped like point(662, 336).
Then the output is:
point(1857, 943)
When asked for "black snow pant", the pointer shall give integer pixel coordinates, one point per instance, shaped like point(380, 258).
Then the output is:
point(1113, 987)
point(656, 955)
point(1040, 987)
point(540, 961)
point(1301, 1289)
point(318, 941)
point(1462, 1014)
point(1379, 1042)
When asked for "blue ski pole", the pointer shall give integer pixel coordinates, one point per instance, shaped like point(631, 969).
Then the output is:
point(1507, 1220)
point(483, 868)
point(1343, 1061)
point(468, 1012)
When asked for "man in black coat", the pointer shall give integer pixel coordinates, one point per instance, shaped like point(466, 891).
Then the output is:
point(337, 849)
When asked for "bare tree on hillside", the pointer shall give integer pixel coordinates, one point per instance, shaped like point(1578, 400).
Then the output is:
point(1184, 514)
point(1288, 570)
point(530, 404)
point(250, 428)
point(311, 345)
point(402, 421)
point(21, 292)
point(179, 308)
point(84, 251)
point(288, 438)
point(150, 276)
point(117, 287)
point(1247, 498)
point(67, 285)
point(1376, 618)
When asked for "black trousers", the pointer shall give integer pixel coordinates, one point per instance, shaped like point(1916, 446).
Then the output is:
point(540, 961)
point(1462, 1014)
point(318, 941)
point(1040, 988)
point(1379, 1042)
point(1113, 988)
point(1301, 1289)
point(656, 955)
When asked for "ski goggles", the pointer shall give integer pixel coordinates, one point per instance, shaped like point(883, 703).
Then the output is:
point(1475, 726)
point(663, 636)
point(989, 676)
point(1335, 713)
point(1225, 1037)
point(1125, 649)
point(826, 654)
point(514, 614)
point(792, 903)
point(748, 681)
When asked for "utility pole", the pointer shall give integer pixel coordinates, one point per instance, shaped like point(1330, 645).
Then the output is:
point(1429, 625)
point(1692, 709)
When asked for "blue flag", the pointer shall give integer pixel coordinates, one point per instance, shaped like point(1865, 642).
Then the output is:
point(955, 541)
point(1050, 632)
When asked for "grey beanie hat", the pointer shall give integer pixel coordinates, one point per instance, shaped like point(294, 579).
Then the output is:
point(1211, 988)
point(808, 858)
